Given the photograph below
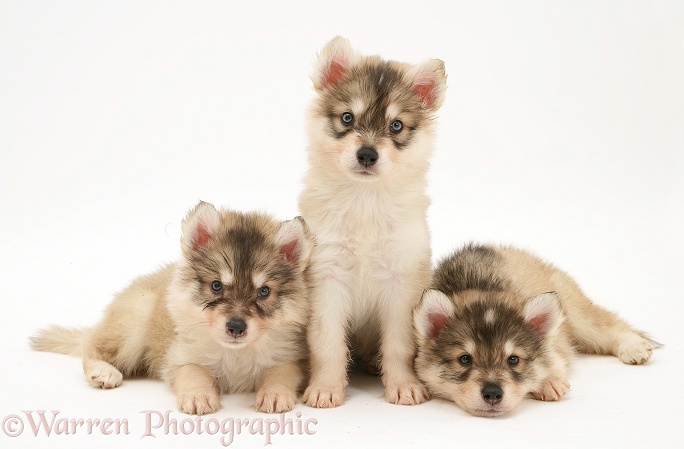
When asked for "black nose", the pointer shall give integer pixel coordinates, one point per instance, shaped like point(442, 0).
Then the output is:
point(236, 327)
point(492, 393)
point(367, 156)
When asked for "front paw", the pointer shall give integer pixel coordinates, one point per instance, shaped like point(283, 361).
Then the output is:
point(199, 402)
point(276, 399)
point(324, 396)
point(552, 389)
point(410, 393)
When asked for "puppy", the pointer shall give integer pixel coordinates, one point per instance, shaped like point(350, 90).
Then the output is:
point(370, 139)
point(500, 323)
point(229, 316)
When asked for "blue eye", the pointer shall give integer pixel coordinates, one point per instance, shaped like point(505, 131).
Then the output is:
point(216, 287)
point(347, 118)
point(513, 360)
point(263, 292)
point(465, 360)
point(396, 126)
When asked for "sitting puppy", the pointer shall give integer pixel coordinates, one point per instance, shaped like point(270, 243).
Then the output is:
point(499, 323)
point(229, 316)
point(371, 132)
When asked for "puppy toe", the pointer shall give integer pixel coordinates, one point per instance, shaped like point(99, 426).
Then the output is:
point(324, 397)
point(635, 351)
point(552, 389)
point(406, 394)
point(103, 375)
point(199, 402)
point(275, 400)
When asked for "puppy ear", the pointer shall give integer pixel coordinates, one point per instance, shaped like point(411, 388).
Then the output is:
point(294, 241)
point(432, 314)
point(428, 80)
point(199, 226)
point(332, 63)
point(544, 313)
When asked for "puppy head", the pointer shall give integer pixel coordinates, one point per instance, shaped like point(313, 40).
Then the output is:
point(373, 117)
point(484, 354)
point(241, 274)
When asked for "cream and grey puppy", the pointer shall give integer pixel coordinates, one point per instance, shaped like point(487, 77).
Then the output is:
point(229, 316)
point(500, 323)
point(370, 139)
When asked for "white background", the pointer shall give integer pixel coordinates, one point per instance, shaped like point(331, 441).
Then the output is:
point(562, 132)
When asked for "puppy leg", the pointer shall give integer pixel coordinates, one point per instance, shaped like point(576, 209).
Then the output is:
point(277, 392)
point(328, 345)
point(196, 389)
point(398, 348)
point(98, 372)
point(595, 330)
point(101, 374)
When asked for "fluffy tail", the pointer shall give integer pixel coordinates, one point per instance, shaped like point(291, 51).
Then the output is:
point(58, 339)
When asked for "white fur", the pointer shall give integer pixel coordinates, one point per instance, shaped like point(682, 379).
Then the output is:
point(372, 258)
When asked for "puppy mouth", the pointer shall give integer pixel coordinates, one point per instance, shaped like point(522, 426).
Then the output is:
point(488, 412)
point(234, 342)
point(365, 172)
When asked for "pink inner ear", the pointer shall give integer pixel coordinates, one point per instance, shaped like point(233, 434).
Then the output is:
point(289, 251)
point(540, 323)
point(334, 73)
point(202, 237)
point(436, 322)
point(426, 92)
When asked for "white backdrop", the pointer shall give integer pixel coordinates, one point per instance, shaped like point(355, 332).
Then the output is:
point(562, 132)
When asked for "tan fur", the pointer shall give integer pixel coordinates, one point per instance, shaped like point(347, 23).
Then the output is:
point(478, 278)
point(165, 325)
point(592, 329)
point(372, 258)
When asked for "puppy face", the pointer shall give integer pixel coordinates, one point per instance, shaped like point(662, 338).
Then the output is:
point(372, 117)
point(485, 355)
point(244, 274)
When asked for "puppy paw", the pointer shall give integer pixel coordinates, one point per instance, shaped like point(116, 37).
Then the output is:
point(410, 393)
point(199, 402)
point(635, 351)
point(552, 389)
point(276, 399)
point(103, 375)
point(324, 397)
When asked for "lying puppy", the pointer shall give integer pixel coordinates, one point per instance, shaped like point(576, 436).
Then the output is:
point(499, 323)
point(370, 140)
point(229, 316)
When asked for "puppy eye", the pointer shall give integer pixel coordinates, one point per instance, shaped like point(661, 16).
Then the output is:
point(347, 118)
point(465, 360)
point(513, 360)
point(396, 126)
point(263, 292)
point(216, 287)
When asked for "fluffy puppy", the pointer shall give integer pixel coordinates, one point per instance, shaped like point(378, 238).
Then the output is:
point(229, 316)
point(500, 323)
point(370, 139)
